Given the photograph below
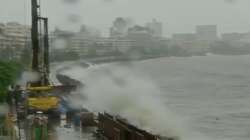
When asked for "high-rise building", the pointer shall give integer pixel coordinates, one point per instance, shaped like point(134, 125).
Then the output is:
point(19, 34)
point(233, 36)
point(3, 41)
point(184, 37)
point(206, 32)
point(155, 28)
point(14, 36)
point(119, 28)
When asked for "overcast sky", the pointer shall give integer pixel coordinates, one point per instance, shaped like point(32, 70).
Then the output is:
point(177, 16)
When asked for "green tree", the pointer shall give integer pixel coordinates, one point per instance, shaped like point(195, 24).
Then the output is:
point(9, 72)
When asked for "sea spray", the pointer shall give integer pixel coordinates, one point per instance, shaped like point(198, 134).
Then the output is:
point(119, 90)
point(27, 77)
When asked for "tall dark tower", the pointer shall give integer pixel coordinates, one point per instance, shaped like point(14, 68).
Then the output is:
point(40, 58)
point(34, 36)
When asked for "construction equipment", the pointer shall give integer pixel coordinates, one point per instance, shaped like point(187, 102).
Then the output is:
point(40, 93)
point(41, 98)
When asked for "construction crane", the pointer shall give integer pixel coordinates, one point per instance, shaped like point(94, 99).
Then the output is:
point(40, 92)
point(41, 101)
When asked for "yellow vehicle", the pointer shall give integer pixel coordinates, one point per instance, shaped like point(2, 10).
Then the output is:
point(43, 103)
point(40, 94)
point(41, 99)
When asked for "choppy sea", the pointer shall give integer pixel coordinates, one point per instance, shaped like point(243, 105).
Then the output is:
point(211, 92)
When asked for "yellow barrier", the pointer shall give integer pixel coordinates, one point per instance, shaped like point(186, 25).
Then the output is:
point(43, 103)
point(42, 88)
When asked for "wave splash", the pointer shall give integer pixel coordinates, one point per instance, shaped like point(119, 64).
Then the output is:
point(119, 90)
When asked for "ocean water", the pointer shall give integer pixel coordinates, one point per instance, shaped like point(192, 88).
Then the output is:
point(208, 95)
point(213, 91)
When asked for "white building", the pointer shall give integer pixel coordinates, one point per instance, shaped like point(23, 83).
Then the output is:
point(184, 37)
point(4, 41)
point(14, 37)
point(19, 34)
point(233, 36)
point(206, 33)
point(155, 28)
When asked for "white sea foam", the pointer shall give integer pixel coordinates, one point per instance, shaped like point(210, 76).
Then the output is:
point(119, 90)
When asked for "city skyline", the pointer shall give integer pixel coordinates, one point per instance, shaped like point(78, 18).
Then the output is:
point(176, 16)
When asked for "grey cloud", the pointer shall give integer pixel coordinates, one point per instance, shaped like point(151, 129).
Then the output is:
point(108, 0)
point(70, 1)
point(74, 18)
point(230, 1)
